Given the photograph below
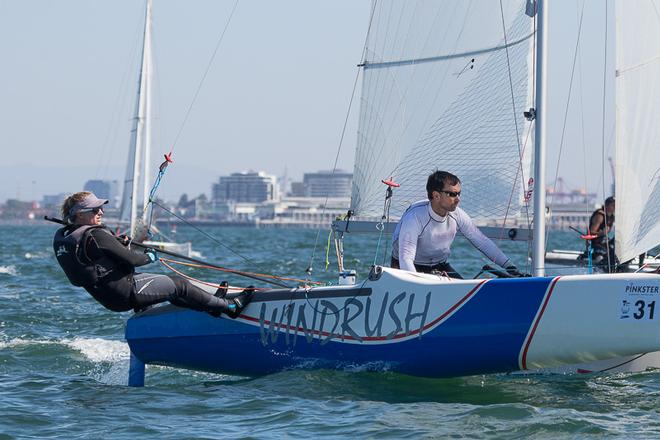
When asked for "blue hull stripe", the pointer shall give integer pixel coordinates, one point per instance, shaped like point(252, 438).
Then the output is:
point(484, 335)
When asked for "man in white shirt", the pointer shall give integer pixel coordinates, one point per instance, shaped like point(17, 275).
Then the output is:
point(423, 237)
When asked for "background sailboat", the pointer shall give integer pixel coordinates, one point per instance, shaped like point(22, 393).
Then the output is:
point(135, 209)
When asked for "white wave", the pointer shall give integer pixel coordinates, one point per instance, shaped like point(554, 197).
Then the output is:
point(38, 255)
point(100, 350)
point(9, 270)
point(17, 342)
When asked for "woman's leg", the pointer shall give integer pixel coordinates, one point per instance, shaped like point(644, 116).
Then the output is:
point(153, 289)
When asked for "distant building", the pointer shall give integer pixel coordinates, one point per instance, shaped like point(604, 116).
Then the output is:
point(297, 189)
point(245, 187)
point(53, 202)
point(326, 184)
point(104, 189)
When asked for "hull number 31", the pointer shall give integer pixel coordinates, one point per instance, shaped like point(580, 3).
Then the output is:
point(638, 309)
point(638, 302)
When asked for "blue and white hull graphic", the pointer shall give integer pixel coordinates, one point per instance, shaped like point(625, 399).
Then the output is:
point(416, 324)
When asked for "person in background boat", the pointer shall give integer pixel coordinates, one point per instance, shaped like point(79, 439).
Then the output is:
point(423, 237)
point(103, 264)
point(600, 224)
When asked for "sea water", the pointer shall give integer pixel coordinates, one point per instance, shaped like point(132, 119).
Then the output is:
point(64, 365)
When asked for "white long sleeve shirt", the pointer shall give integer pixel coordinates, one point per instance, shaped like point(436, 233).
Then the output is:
point(424, 237)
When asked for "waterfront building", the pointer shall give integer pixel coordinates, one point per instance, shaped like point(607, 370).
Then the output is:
point(245, 187)
point(328, 184)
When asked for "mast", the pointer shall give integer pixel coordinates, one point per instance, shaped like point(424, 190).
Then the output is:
point(538, 244)
point(147, 68)
point(140, 118)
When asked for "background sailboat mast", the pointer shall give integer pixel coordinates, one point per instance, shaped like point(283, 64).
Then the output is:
point(538, 247)
point(139, 150)
point(147, 69)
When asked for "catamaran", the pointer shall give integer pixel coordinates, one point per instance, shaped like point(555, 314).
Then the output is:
point(460, 86)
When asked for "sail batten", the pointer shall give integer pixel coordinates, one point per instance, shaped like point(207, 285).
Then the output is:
point(444, 57)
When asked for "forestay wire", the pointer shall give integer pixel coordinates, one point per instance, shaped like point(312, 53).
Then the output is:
point(206, 72)
point(521, 148)
point(168, 157)
point(309, 269)
point(566, 110)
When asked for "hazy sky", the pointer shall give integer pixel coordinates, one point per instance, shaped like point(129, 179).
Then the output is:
point(276, 95)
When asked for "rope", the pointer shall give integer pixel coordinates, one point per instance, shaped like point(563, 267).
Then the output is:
point(163, 166)
point(202, 232)
point(383, 222)
point(188, 277)
point(521, 149)
point(206, 72)
point(327, 250)
point(234, 271)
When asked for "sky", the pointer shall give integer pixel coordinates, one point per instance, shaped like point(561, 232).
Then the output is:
point(275, 97)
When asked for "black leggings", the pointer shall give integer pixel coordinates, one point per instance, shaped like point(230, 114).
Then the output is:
point(150, 289)
point(440, 267)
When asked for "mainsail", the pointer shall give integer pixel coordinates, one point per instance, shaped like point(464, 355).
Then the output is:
point(445, 86)
point(638, 130)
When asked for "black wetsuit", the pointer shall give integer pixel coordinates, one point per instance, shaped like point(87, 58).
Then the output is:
point(121, 289)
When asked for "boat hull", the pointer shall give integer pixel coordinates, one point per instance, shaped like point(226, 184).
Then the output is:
point(416, 324)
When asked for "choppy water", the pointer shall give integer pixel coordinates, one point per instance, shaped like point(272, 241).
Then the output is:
point(63, 366)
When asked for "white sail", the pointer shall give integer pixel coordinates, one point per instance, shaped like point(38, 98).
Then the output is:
point(638, 130)
point(445, 86)
point(137, 176)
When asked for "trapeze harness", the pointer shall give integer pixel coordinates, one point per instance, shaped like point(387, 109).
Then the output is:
point(422, 240)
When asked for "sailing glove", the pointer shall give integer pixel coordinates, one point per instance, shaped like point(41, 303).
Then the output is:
point(151, 253)
point(512, 270)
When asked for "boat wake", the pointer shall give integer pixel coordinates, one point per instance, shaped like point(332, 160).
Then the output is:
point(100, 350)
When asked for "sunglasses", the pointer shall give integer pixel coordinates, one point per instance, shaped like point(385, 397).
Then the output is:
point(451, 194)
point(94, 210)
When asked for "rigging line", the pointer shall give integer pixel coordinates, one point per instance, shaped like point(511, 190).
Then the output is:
point(155, 202)
point(206, 283)
point(568, 101)
point(341, 139)
point(225, 269)
point(206, 72)
point(515, 119)
point(584, 142)
point(602, 156)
